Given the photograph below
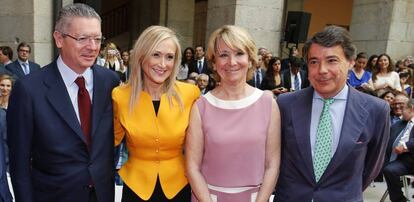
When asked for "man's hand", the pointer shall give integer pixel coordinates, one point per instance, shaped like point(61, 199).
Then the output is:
point(400, 149)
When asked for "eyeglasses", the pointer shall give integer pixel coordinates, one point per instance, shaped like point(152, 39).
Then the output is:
point(22, 50)
point(83, 40)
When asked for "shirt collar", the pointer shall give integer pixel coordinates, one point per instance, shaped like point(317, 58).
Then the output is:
point(69, 76)
point(342, 95)
point(21, 62)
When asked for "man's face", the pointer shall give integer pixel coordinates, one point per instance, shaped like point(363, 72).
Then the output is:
point(398, 104)
point(202, 82)
point(79, 55)
point(23, 53)
point(3, 58)
point(199, 52)
point(407, 113)
point(328, 69)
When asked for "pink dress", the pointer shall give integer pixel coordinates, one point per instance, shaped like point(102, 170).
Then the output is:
point(234, 144)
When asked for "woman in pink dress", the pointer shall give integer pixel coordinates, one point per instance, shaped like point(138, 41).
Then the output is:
point(233, 139)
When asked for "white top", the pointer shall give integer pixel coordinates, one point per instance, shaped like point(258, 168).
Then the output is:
point(69, 77)
point(234, 104)
point(391, 78)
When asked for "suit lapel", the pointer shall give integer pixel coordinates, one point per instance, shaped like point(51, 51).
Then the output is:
point(98, 105)
point(19, 69)
point(355, 118)
point(301, 117)
point(60, 100)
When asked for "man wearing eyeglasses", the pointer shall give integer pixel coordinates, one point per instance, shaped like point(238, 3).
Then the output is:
point(60, 119)
point(22, 66)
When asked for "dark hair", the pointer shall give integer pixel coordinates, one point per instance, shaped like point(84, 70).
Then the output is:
point(295, 62)
point(382, 96)
point(6, 50)
point(270, 73)
point(329, 37)
point(369, 66)
point(183, 58)
point(199, 45)
point(376, 69)
point(361, 55)
point(24, 44)
point(291, 50)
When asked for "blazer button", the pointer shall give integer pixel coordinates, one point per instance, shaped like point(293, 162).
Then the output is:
point(157, 140)
point(157, 151)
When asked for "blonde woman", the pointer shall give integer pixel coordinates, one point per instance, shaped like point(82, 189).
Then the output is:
point(152, 112)
point(233, 140)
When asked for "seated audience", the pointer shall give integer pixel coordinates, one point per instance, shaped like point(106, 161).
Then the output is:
point(401, 158)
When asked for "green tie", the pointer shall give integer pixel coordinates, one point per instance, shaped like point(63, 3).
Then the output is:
point(323, 141)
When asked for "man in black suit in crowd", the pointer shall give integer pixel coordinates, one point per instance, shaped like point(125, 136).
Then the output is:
point(22, 66)
point(199, 65)
point(295, 78)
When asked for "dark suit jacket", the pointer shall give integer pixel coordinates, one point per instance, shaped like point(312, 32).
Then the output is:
point(287, 81)
point(395, 131)
point(16, 69)
point(252, 81)
point(356, 162)
point(193, 67)
point(5, 195)
point(49, 159)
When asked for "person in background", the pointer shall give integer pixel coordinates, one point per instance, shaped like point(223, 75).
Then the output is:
point(401, 159)
point(334, 137)
point(233, 140)
point(113, 61)
point(202, 83)
point(273, 80)
point(186, 61)
point(295, 78)
point(125, 62)
point(6, 55)
point(6, 85)
point(358, 77)
point(384, 76)
point(372, 61)
point(405, 81)
point(22, 66)
point(60, 120)
point(151, 112)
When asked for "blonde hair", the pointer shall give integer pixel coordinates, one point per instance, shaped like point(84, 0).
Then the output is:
point(236, 38)
point(145, 45)
point(109, 46)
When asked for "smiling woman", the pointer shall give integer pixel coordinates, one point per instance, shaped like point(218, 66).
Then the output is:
point(151, 112)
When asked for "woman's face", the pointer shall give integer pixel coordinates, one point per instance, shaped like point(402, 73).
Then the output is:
point(276, 66)
point(389, 97)
point(158, 66)
point(188, 54)
point(5, 87)
point(383, 62)
point(125, 56)
point(374, 61)
point(231, 64)
point(361, 63)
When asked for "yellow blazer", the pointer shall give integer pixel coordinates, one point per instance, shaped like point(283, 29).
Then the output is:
point(155, 143)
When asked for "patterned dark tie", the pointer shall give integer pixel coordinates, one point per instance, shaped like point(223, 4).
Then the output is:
point(84, 107)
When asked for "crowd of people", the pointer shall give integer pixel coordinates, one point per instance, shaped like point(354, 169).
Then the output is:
point(227, 123)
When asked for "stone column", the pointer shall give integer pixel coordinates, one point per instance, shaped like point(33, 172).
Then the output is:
point(383, 26)
point(30, 21)
point(179, 16)
point(262, 18)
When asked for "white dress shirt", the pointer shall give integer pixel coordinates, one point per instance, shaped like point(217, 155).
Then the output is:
point(337, 111)
point(69, 77)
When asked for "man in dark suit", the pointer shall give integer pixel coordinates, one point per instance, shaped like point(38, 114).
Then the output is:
point(258, 76)
point(60, 119)
point(22, 66)
point(401, 157)
point(333, 137)
point(295, 78)
point(199, 65)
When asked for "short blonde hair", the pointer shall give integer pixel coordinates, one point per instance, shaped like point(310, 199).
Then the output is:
point(236, 38)
point(143, 48)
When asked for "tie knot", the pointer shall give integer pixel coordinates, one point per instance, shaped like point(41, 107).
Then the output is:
point(328, 101)
point(80, 81)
